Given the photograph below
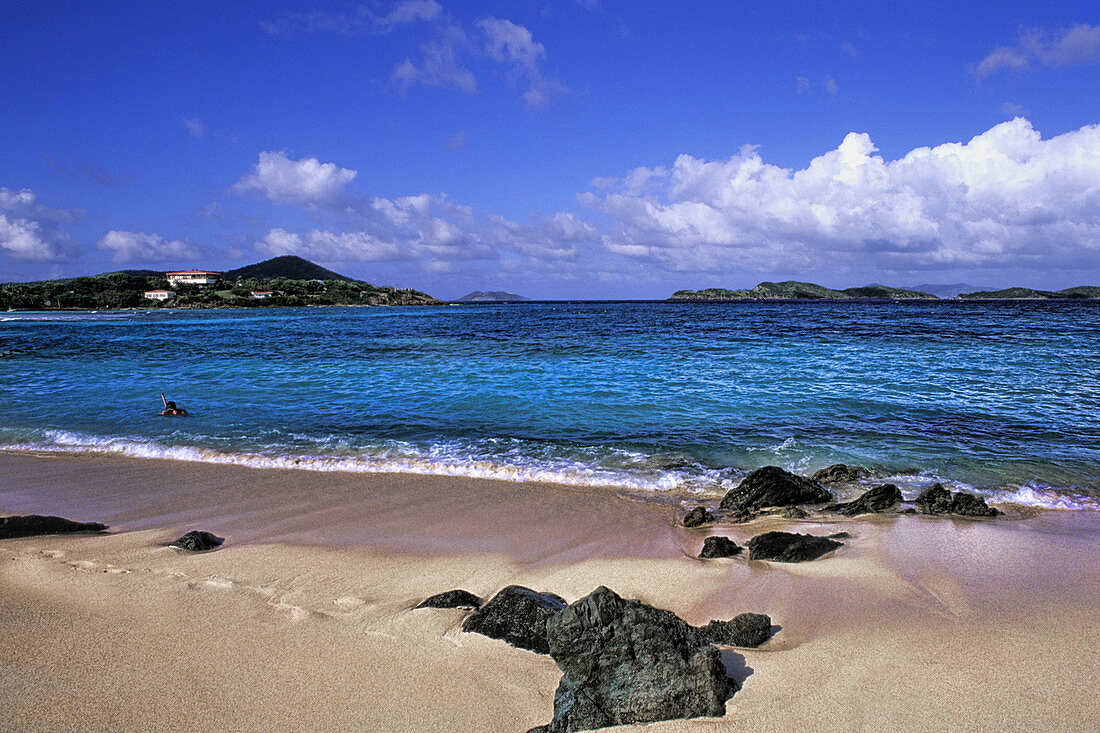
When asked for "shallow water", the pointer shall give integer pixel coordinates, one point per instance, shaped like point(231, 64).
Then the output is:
point(676, 398)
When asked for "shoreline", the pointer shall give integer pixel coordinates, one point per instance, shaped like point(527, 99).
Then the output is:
point(304, 618)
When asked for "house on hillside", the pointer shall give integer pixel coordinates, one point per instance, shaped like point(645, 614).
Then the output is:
point(261, 294)
point(192, 277)
point(159, 294)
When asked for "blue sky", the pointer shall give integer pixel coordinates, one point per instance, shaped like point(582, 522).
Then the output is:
point(573, 149)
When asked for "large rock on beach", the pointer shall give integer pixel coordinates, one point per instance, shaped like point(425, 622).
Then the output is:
point(30, 525)
point(938, 500)
point(719, 547)
point(452, 599)
point(748, 629)
point(839, 473)
point(873, 501)
point(198, 541)
point(518, 616)
point(698, 516)
point(790, 547)
point(625, 662)
point(771, 486)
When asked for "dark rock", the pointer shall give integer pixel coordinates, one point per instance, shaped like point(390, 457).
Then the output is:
point(748, 629)
point(968, 505)
point(697, 516)
point(789, 547)
point(35, 524)
point(938, 500)
point(873, 501)
point(839, 536)
point(452, 599)
point(793, 512)
point(908, 510)
point(196, 541)
point(839, 473)
point(518, 616)
point(719, 547)
point(934, 500)
point(771, 486)
point(625, 662)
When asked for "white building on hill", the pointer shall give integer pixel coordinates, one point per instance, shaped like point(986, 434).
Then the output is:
point(192, 277)
point(159, 294)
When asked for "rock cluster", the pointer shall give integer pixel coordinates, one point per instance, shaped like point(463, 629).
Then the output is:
point(698, 516)
point(517, 615)
point(771, 486)
point(790, 547)
point(938, 500)
point(719, 547)
point(36, 524)
point(748, 629)
point(873, 501)
point(839, 473)
point(625, 662)
point(452, 599)
point(197, 541)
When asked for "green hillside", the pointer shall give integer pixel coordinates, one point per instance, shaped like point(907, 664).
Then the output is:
point(794, 290)
point(1075, 293)
point(290, 267)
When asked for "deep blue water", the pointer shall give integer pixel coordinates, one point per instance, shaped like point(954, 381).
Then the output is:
point(671, 397)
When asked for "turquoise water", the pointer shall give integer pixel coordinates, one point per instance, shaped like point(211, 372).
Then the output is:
point(672, 399)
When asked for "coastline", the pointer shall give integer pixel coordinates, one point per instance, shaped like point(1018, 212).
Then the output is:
point(304, 619)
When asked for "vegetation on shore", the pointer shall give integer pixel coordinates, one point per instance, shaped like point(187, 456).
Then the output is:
point(1075, 293)
point(793, 290)
point(282, 278)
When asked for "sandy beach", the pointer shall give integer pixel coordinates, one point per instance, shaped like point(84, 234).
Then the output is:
point(304, 619)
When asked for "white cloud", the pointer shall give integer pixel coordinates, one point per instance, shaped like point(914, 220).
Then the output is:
point(362, 20)
point(513, 44)
point(195, 128)
point(1074, 46)
point(330, 246)
point(802, 84)
point(142, 247)
point(1005, 198)
point(306, 182)
point(439, 64)
point(28, 230)
point(831, 87)
point(412, 11)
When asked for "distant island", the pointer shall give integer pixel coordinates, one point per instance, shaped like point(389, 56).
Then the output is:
point(793, 290)
point(492, 296)
point(948, 291)
point(1077, 293)
point(281, 281)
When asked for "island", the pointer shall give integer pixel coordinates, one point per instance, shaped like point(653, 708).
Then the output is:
point(1080, 292)
point(492, 296)
point(793, 290)
point(280, 281)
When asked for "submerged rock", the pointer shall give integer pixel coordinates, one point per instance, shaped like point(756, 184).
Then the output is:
point(719, 547)
point(625, 662)
point(748, 629)
point(873, 501)
point(697, 516)
point(518, 616)
point(198, 541)
point(771, 486)
point(790, 547)
point(30, 525)
point(839, 473)
point(452, 599)
point(938, 500)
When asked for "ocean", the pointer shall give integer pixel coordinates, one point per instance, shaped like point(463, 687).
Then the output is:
point(673, 402)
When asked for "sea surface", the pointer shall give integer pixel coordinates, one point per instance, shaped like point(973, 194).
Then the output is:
point(671, 401)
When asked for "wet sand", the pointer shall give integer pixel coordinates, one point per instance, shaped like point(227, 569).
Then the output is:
point(304, 620)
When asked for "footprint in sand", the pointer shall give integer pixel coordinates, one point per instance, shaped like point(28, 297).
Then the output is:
point(349, 603)
point(82, 564)
point(55, 554)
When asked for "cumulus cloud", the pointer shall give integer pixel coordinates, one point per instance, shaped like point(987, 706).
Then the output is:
point(142, 247)
point(306, 182)
point(28, 229)
point(1074, 46)
point(1005, 198)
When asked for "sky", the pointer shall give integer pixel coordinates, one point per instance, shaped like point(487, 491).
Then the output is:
point(581, 149)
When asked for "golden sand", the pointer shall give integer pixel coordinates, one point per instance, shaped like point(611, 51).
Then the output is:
point(304, 619)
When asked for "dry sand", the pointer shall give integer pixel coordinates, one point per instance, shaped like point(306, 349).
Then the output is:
point(304, 620)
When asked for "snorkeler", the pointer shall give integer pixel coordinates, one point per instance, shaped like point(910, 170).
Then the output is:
point(170, 408)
